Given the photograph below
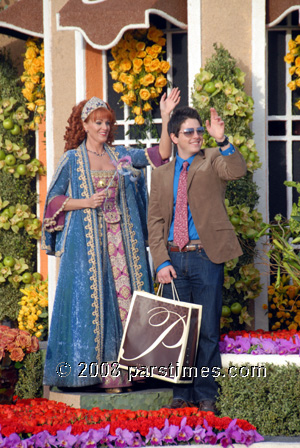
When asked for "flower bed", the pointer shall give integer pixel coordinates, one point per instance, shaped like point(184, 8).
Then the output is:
point(259, 342)
point(42, 422)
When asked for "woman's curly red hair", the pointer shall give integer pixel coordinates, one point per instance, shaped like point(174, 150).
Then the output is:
point(75, 133)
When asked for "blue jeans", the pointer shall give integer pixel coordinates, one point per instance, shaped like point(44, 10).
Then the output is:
point(200, 281)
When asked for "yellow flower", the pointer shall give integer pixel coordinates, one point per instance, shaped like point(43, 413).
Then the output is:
point(139, 119)
point(297, 62)
point(137, 64)
point(147, 61)
point(292, 85)
point(112, 65)
point(40, 102)
point(152, 52)
point(146, 80)
point(140, 46)
point(145, 94)
point(154, 33)
point(164, 66)
point(126, 100)
point(156, 48)
point(141, 54)
point(31, 52)
point(155, 65)
point(137, 110)
point(161, 41)
point(292, 44)
point(294, 51)
point(125, 65)
point(118, 87)
point(40, 110)
point(292, 70)
point(160, 81)
point(27, 94)
point(147, 107)
point(297, 104)
point(132, 54)
point(123, 77)
point(298, 82)
point(153, 92)
point(114, 74)
point(131, 96)
point(289, 58)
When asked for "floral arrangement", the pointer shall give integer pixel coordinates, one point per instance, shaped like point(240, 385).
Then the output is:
point(284, 304)
point(15, 271)
point(261, 342)
point(55, 424)
point(293, 59)
point(15, 344)
point(34, 80)
point(234, 105)
point(33, 314)
point(139, 70)
point(19, 216)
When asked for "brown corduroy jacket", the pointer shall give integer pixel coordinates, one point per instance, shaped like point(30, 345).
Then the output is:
point(207, 180)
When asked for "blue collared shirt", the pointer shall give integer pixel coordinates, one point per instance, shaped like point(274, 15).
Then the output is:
point(193, 234)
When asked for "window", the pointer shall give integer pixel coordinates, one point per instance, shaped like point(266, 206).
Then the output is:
point(176, 54)
point(283, 119)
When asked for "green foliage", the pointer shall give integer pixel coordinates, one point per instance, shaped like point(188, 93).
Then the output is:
point(271, 403)
point(15, 188)
point(220, 84)
point(30, 382)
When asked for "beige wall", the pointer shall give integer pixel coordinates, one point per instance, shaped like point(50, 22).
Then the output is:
point(63, 79)
point(228, 22)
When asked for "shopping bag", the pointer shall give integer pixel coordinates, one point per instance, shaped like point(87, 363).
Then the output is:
point(160, 338)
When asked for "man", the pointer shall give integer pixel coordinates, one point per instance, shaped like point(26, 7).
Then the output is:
point(190, 243)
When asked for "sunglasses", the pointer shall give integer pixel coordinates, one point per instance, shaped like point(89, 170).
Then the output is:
point(190, 131)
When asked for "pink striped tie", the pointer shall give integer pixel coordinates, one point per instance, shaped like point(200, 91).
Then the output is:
point(181, 231)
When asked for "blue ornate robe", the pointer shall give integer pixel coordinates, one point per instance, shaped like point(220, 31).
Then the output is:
point(86, 326)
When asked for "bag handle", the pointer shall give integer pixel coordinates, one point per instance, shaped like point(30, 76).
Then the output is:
point(174, 291)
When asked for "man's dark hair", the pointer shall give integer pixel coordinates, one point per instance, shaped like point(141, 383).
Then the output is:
point(179, 116)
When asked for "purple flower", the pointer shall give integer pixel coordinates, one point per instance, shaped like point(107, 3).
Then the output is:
point(185, 432)
point(284, 346)
point(169, 432)
point(199, 434)
point(242, 345)
point(124, 437)
point(230, 344)
point(137, 440)
point(225, 440)
point(296, 346)
point(154, 436)
point(210, 436)
point(65, 438)
point(269, 346)
point(45, 440)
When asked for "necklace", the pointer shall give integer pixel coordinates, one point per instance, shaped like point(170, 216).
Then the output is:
point(99, 155)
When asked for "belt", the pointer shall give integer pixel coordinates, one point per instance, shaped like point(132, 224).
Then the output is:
point(187, 248)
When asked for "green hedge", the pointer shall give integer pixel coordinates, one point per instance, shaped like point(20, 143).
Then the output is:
point(271, 403)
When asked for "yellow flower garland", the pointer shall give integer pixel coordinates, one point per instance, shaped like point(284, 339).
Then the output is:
point(34, 80)
point(139, 69)
point(33, 314)
point(293, 58)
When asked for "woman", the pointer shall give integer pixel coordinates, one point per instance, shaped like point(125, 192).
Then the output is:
point(95, 219)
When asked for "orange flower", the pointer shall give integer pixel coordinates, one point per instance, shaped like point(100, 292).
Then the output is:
point(17, 354)
point(289, 58)
point(147, 61)
point(292, 85)
point(154, 33)
point(137, 110)
point(123, 77)
point(297, 62)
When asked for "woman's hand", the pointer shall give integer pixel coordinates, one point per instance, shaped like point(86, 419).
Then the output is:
point(216, 126)
point(168, 104)
point(97, 199)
